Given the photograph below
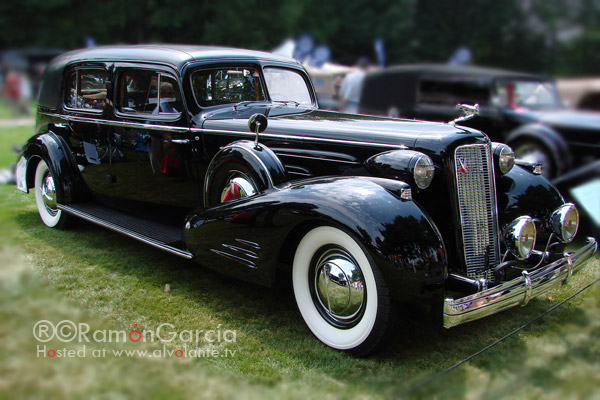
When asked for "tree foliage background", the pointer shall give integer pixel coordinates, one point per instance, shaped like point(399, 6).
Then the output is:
point(518, 34)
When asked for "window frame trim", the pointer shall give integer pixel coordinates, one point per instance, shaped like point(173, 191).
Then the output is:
point(120, 71)
point(76, 70)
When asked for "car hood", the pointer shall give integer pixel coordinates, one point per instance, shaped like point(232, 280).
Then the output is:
point(320, 124)
point(571, 119)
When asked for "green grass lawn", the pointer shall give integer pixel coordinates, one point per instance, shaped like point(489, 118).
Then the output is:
point(94, 276)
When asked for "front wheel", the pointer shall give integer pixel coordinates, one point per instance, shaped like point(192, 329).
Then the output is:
point(46, 198)
point(535, 152)
point(339, 291)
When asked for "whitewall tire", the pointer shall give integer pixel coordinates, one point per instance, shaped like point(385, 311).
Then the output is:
point(339, 291)
point(46, 197)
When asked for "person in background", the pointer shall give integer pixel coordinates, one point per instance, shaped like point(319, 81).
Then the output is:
point(349, 95)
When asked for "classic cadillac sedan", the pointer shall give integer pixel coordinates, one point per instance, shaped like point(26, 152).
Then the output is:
point(222, 156)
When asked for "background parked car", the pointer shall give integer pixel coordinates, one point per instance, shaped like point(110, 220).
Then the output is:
point(580, 93)
point(520, 109)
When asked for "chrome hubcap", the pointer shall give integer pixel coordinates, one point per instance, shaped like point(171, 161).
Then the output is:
point(339, 288)
point(48, 191)
point(237, 188)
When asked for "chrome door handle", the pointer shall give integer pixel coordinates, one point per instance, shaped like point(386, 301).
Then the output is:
point(180, 141)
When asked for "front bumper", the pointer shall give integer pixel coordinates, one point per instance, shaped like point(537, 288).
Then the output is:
point(517, 291)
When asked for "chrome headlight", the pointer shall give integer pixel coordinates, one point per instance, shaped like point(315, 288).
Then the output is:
point(519, 237)
point(406, 165)
point(423, 170)
point(565, 221)
point(504, 157)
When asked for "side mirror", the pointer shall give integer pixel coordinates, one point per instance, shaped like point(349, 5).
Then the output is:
point(257, 123)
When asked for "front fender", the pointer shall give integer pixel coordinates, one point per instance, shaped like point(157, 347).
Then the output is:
point(520, 192)
point(55, 152)
point(246, 237)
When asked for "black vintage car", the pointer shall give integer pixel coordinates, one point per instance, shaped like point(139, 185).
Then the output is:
point(222, 156)
point(519, 109)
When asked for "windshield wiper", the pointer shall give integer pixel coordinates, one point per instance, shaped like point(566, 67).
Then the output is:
point(286, 102)
point(243, 103)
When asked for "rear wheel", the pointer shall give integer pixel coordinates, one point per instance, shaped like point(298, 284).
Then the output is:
point(46, 198)
point(339, 291)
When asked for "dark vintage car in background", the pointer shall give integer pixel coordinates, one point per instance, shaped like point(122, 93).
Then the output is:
point(222, 156)
point(519, 109)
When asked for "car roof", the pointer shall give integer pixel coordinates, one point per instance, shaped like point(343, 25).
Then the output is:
point(177, 56)
point(458, 70)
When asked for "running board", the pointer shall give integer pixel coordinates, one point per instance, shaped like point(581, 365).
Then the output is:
point(162, 236)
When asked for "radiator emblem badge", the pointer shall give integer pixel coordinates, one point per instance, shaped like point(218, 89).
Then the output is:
point(464, 168)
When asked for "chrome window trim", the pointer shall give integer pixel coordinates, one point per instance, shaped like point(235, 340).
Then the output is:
point(170, 117)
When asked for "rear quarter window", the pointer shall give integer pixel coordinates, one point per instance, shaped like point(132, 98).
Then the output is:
point(87, 89)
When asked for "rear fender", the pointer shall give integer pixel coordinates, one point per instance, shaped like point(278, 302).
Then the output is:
point(55, 152)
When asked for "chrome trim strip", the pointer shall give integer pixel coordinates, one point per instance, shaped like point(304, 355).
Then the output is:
point(249, 243)
point(202, 130)
point(232, 257)
point(283, 154)
point(245, 252)
point(122, 124)
point(127, 232)
point(302, 138)
point(517, 291)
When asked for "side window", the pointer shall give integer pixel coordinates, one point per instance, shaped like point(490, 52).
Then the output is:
point(229, 85)
point(86, 89)
point(149, 92)
point(449, 92)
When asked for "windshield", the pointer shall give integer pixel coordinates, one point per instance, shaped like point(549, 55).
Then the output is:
point(226, 85)
point(243, 85)
point(528, 95)
point(287, 86)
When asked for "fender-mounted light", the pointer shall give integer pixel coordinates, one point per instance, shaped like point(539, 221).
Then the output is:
point(423, 170)
point(519, 237)
point(504, 157)
point(565, 221)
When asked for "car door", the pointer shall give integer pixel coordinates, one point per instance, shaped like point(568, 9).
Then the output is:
point(154, 162)
point(86, 109)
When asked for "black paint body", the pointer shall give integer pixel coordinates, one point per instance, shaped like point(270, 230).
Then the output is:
point(313, 168)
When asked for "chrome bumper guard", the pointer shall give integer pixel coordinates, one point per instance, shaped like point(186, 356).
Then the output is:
point(517, 291)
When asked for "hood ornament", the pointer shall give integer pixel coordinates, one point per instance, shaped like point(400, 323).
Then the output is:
point(469, 110)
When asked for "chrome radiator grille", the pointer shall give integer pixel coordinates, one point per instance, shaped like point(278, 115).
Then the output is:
point(477, 209)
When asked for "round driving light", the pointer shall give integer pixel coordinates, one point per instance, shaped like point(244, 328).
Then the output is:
point(423, 171)
point(565, 221)
point(519, 237)
point(504, 156)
